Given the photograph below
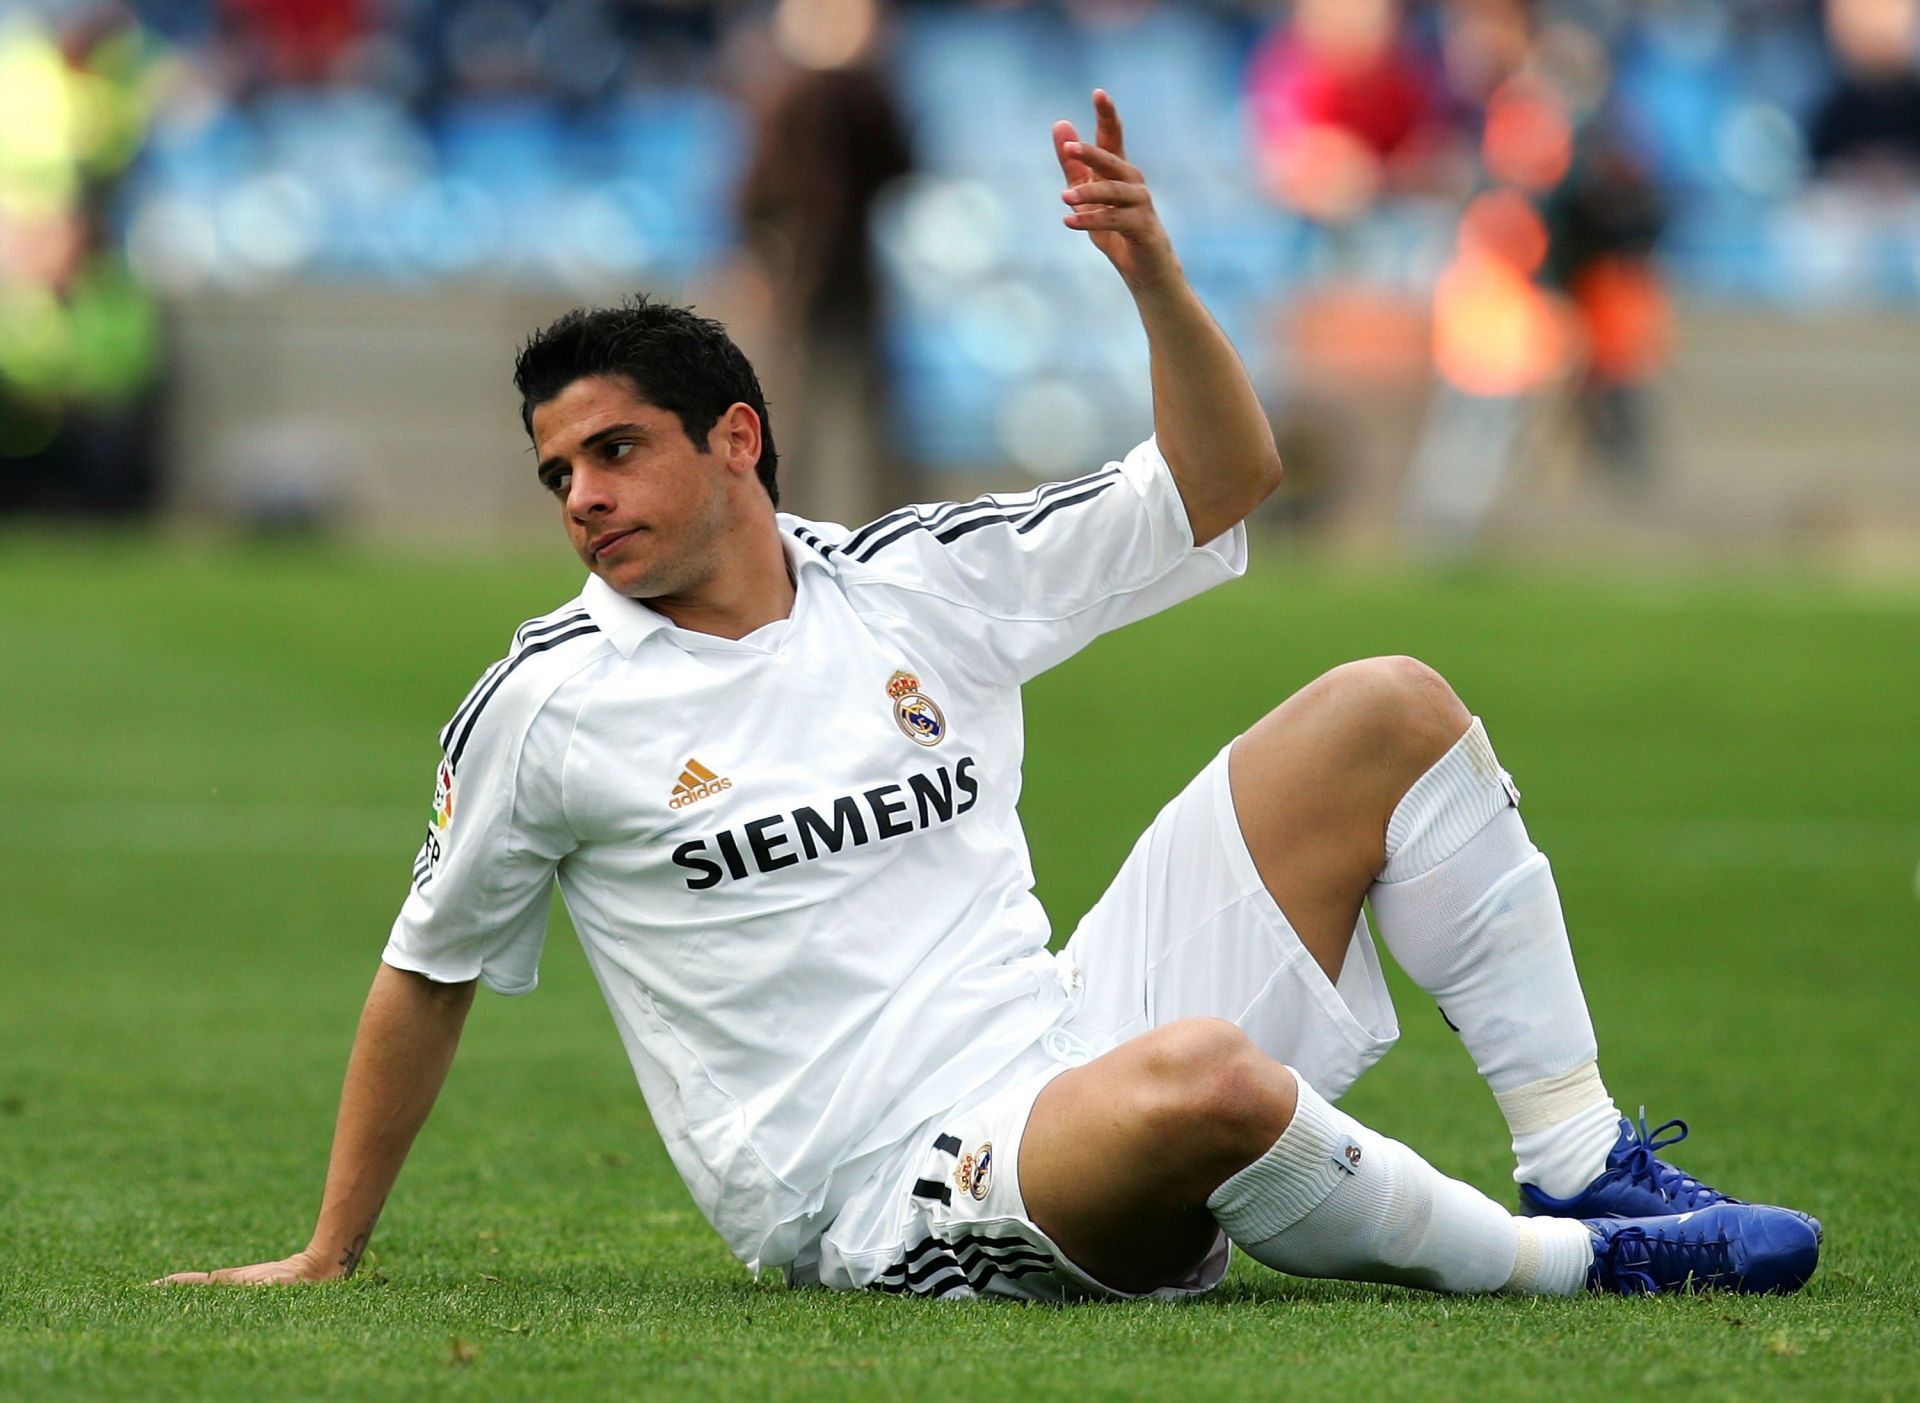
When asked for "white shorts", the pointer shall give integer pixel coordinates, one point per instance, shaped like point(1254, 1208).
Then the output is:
point(1186, 930)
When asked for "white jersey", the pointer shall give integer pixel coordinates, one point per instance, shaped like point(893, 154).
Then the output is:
point(794, 859)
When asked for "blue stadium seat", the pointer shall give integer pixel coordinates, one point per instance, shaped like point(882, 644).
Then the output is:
point(508, 145)
point(676, 155)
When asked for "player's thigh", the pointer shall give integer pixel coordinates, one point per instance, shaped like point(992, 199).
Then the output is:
point(1188, 929)
point(1315, 779)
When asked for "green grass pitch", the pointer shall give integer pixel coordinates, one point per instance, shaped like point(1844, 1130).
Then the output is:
point(214, 767)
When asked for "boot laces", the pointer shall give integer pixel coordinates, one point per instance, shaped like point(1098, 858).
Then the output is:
point(1641, 1164)
point(1639, 1261)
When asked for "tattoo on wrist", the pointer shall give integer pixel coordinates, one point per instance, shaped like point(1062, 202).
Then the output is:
point(350, 1259)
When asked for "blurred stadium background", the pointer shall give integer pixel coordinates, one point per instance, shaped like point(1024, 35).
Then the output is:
point(1605, 270)
point(1632, 283)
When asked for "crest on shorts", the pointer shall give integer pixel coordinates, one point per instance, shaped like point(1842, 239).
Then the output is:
point(915, 712)
point(974, 1173)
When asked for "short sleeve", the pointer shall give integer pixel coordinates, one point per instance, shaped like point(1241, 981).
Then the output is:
point(1028, 580)
point(483, 878)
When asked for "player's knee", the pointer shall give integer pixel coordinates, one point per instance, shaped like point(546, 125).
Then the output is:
point(1210, 1091)
point(1397, 707)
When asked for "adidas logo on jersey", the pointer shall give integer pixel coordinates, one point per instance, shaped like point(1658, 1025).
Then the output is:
point(697, 782)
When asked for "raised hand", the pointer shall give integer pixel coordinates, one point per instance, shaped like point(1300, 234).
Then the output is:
point(1110, 199)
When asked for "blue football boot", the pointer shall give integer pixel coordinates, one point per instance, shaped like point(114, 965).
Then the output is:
point(1729, 1246)
point(1636, 1183)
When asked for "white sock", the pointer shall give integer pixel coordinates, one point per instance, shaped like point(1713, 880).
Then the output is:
point(1467, 906)
point(1333, 1198)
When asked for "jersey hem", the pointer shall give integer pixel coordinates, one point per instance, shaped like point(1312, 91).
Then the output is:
point(409, 965)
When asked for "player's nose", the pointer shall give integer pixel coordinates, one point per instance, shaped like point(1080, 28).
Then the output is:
point(588, 493)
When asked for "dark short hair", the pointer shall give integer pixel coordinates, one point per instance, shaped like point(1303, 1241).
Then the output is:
point(676, 361)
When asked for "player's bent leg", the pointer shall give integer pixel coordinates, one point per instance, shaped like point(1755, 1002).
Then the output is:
point(1133, 1163)
point(1405, 786)
point(1376, 783)
point(1332, 1198)
point(1315, 779)
point(1375, 774)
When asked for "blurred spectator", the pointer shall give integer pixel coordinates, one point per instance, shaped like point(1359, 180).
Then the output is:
point(79, 337)
point(1350, 133)
point(1867, 127)
point(1552, 281)
point(295, 41)
point(827, 140)
point(1483, 43)
point(1343, 109)
point(1603, 223)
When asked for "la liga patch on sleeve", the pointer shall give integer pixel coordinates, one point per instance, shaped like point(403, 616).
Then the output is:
point(446, 790)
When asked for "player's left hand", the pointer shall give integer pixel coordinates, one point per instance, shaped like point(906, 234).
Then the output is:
point(301, 1266)
point(1110, 200)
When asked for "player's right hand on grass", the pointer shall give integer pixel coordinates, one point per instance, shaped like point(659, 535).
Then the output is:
point(302, 1266)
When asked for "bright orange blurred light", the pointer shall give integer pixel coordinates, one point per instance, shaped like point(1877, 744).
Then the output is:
point(1528, 141)
point(1628, 318)
point(1494, 332)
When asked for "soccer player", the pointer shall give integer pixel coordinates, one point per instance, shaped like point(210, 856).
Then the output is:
point(773, 766)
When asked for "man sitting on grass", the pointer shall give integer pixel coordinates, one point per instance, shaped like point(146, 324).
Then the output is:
point(773, 766)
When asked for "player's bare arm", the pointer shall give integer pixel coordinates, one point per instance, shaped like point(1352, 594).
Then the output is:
point(405, 1044)
point(1206, 415)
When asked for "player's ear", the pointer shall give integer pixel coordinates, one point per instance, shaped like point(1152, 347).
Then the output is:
point(736, 434)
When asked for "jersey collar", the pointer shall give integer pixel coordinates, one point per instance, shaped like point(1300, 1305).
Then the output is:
point(628, 623)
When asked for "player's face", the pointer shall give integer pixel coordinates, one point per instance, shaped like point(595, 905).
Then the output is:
point(646, 508)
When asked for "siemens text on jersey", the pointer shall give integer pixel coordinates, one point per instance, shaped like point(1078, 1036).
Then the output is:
point(852, 820)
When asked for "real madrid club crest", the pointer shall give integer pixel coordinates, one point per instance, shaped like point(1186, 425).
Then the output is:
point(915, 713)
point(974, 1172)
